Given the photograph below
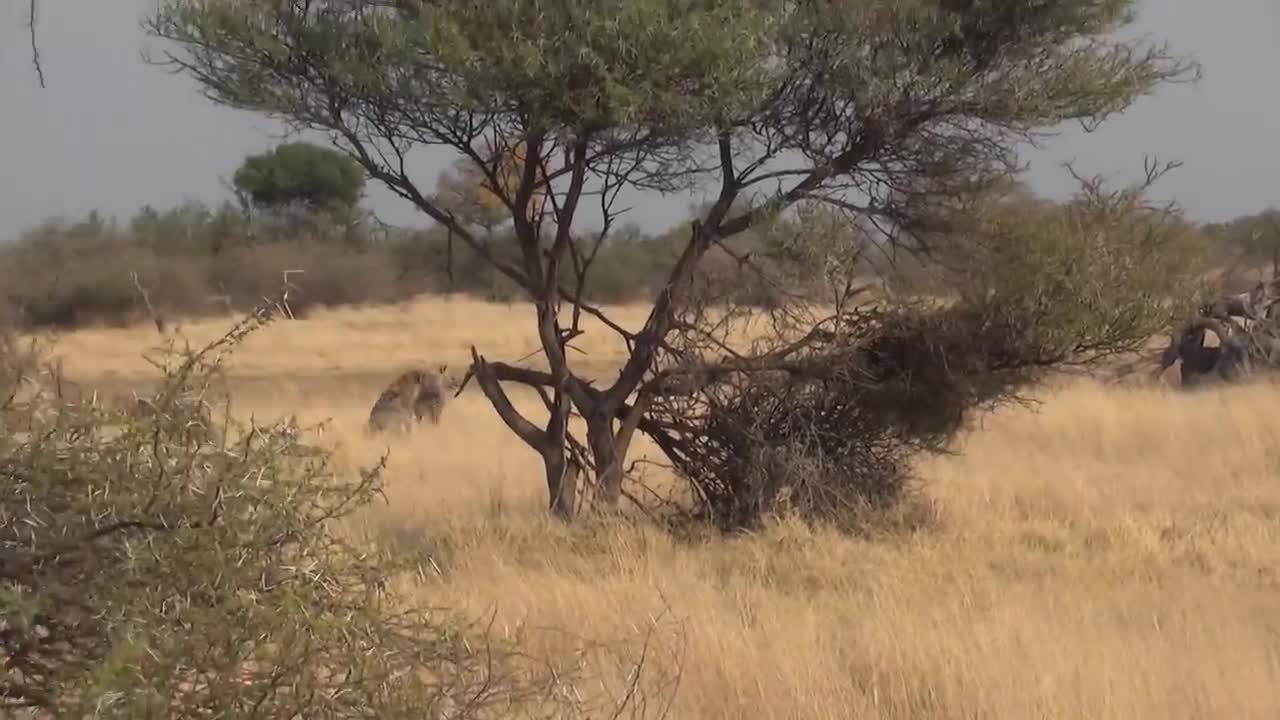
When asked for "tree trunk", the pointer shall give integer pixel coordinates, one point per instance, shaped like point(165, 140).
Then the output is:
point(550, 442)
point(562, 485)
point(608, 460)
point(609, 448)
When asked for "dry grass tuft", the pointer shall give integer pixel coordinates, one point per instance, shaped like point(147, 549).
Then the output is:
point(1113, 554)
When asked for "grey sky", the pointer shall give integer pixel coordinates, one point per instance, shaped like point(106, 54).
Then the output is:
point(111, 132)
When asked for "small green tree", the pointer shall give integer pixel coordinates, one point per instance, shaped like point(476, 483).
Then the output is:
point(879, 109)
point(299, 173)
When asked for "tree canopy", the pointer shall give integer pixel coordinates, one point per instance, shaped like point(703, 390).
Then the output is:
point(317, 177)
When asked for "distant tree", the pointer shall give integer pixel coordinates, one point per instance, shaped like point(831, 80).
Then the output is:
point(474, 195)
point(884, 111)
point(462, 192)
point(300, 173)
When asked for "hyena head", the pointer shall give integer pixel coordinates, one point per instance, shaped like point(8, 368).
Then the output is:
point(433, 393)
point(449, 381)
point(414, 396)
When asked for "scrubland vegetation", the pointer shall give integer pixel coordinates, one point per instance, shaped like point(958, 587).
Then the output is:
point(1109, 553)
point(859, 437)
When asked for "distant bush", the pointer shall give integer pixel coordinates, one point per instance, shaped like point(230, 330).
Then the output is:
point(301, 173)
point(193, 260)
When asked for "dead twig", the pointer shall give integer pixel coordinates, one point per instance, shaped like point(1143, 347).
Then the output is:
point(471, 371)
point(35, 47)
point(156, 317)
point(284, 297)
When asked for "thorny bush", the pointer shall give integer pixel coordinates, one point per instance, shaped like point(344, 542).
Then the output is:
point(826, 413)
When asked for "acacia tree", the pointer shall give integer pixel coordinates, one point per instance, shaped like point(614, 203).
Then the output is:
point(316, 177)
point(878, 109)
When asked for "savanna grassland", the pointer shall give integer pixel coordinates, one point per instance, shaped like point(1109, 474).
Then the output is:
point(1113, 552)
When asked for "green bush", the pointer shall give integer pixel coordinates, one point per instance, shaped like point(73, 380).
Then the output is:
point(301, 173)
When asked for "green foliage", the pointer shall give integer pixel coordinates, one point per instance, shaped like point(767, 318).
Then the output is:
point(675, 65)
point(907, 102)
point(904, 100)
point(1106, 269)
point(584, 64)
point(316, 177)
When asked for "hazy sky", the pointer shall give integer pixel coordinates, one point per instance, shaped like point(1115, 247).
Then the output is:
point(111, 132)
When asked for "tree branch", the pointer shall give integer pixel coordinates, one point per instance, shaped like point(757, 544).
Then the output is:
point(565, 215)
point(701, 237)
point(816, 177)
point(400, 184)
point(35, 48)
point(533, 436)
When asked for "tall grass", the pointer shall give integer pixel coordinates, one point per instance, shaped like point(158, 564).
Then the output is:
point(1111, 553)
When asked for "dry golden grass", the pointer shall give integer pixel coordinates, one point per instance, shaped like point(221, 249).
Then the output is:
point(350, 341)
point(1114, 553)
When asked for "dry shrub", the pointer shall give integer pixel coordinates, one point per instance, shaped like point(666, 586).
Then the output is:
point(94, 285)
point(195, 262)
point(330, 275)
point(833, 433)
point(824, 415)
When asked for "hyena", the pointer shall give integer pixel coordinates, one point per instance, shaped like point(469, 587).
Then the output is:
point(412, 397)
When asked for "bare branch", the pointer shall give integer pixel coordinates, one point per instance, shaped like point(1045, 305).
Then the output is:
point(156, 317)
point(527, 431)
point(35, 48)
point(400, 184)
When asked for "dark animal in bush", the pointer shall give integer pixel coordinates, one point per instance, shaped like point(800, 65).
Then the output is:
point(413, 396)
point(1201, 364)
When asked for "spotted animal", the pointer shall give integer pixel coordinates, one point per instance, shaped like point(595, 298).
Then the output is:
point(414, 396)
